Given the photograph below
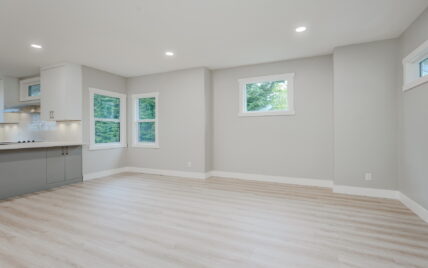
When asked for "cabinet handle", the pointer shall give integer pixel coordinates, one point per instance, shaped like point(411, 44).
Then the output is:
point(66, 150)
point(62, 150)
point(51, 115)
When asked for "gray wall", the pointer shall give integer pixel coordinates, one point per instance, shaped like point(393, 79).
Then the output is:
point(365, 114)
point(413, 180)
point(183, 121)
point(100, 160)
point(299, 146)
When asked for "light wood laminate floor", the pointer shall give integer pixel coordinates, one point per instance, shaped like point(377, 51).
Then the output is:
point(137, 220)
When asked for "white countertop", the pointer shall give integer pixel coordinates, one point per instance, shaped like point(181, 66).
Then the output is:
point(44, 144)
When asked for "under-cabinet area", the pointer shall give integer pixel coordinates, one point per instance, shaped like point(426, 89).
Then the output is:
point(30, 170)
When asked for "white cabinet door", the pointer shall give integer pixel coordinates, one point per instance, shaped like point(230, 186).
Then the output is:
point(61, 97)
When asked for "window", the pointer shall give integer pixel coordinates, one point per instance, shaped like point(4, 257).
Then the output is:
point(34, 90)
point(145, 117)
point(107, 119)
point(423, 67)
point(29, 89)
point(415, 67)
point(267, 95)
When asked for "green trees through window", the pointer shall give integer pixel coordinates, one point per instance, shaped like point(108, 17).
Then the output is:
point(147, 120)
point(267, 96)
point(107, 119)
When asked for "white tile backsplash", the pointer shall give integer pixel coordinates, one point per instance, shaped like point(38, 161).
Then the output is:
point(30, 127)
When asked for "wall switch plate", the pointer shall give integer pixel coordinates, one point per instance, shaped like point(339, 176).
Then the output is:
point(368, 176)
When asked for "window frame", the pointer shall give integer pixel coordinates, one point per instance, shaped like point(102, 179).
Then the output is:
point(135, 120)
point(122, 120)
point(412, 67)
point(289, 77)
point(24, 86)
point(421, 63)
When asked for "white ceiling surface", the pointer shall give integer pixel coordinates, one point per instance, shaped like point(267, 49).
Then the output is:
point(129, 37)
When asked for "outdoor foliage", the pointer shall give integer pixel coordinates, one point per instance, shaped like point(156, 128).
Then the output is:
point(106, 107)
point(147, 112)
point(147, 108)
point(107, 132)
point(267, 96)
point(146, 132)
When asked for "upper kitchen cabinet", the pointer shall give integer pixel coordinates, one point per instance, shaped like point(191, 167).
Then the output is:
point(61, 98)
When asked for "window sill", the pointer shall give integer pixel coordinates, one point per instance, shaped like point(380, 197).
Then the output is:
point(146, 145)
point(416, 83)
point(251, 114)
point(106, 147)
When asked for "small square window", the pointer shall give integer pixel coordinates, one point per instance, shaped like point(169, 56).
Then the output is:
point(268, 95)
point(34, 90)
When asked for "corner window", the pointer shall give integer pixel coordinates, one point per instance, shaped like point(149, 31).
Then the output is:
point(423, 67)
point(107, 119)
point(267, 95)
point(145, 120)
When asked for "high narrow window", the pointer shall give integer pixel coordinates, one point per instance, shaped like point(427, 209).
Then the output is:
point(145, 125)
point(108, 129)
point(267, 95)
point(423, 67)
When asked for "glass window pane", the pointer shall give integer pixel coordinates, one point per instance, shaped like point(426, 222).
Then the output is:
point(34, 90)
point(107, 132)
point(267, 96)
point(106, 107)
point(424, 67)
point(146, 132)
point(146, 107)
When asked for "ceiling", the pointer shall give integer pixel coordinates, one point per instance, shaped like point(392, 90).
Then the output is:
point(130, 37)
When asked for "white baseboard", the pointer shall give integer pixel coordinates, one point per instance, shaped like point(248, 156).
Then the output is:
point(415, 207)
point(350, 190)
point(104, 173)
point(172, 173)
point(362, 191)
point(269, 178)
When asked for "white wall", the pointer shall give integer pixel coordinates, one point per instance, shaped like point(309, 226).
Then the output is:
point(298, 146)
point(100, 160)
point(183, 121)
point(413, 180)
point(365, 115)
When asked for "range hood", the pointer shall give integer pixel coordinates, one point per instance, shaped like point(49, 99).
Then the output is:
point(10, 101)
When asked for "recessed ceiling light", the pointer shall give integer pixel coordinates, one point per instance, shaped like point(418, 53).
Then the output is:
point(300, 29)
point(36, 46)
point(169, 53)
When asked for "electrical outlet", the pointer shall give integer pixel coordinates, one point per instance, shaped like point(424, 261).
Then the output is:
point(189, 164)
point(368, 176)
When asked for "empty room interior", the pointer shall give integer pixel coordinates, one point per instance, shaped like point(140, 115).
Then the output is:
point(214, 133)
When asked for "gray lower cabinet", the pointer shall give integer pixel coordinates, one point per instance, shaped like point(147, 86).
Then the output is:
point(63, 164)
point(22, 171)
point(55, 165)
point(73, 163)
point(30, 170)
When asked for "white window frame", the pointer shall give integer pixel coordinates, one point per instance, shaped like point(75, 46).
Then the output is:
point(121, 120)
point(411, 67)
point(23, 89)
point(289, 77)
point(135, 120)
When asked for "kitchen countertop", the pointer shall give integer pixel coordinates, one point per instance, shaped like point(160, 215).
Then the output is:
point(44, 144)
